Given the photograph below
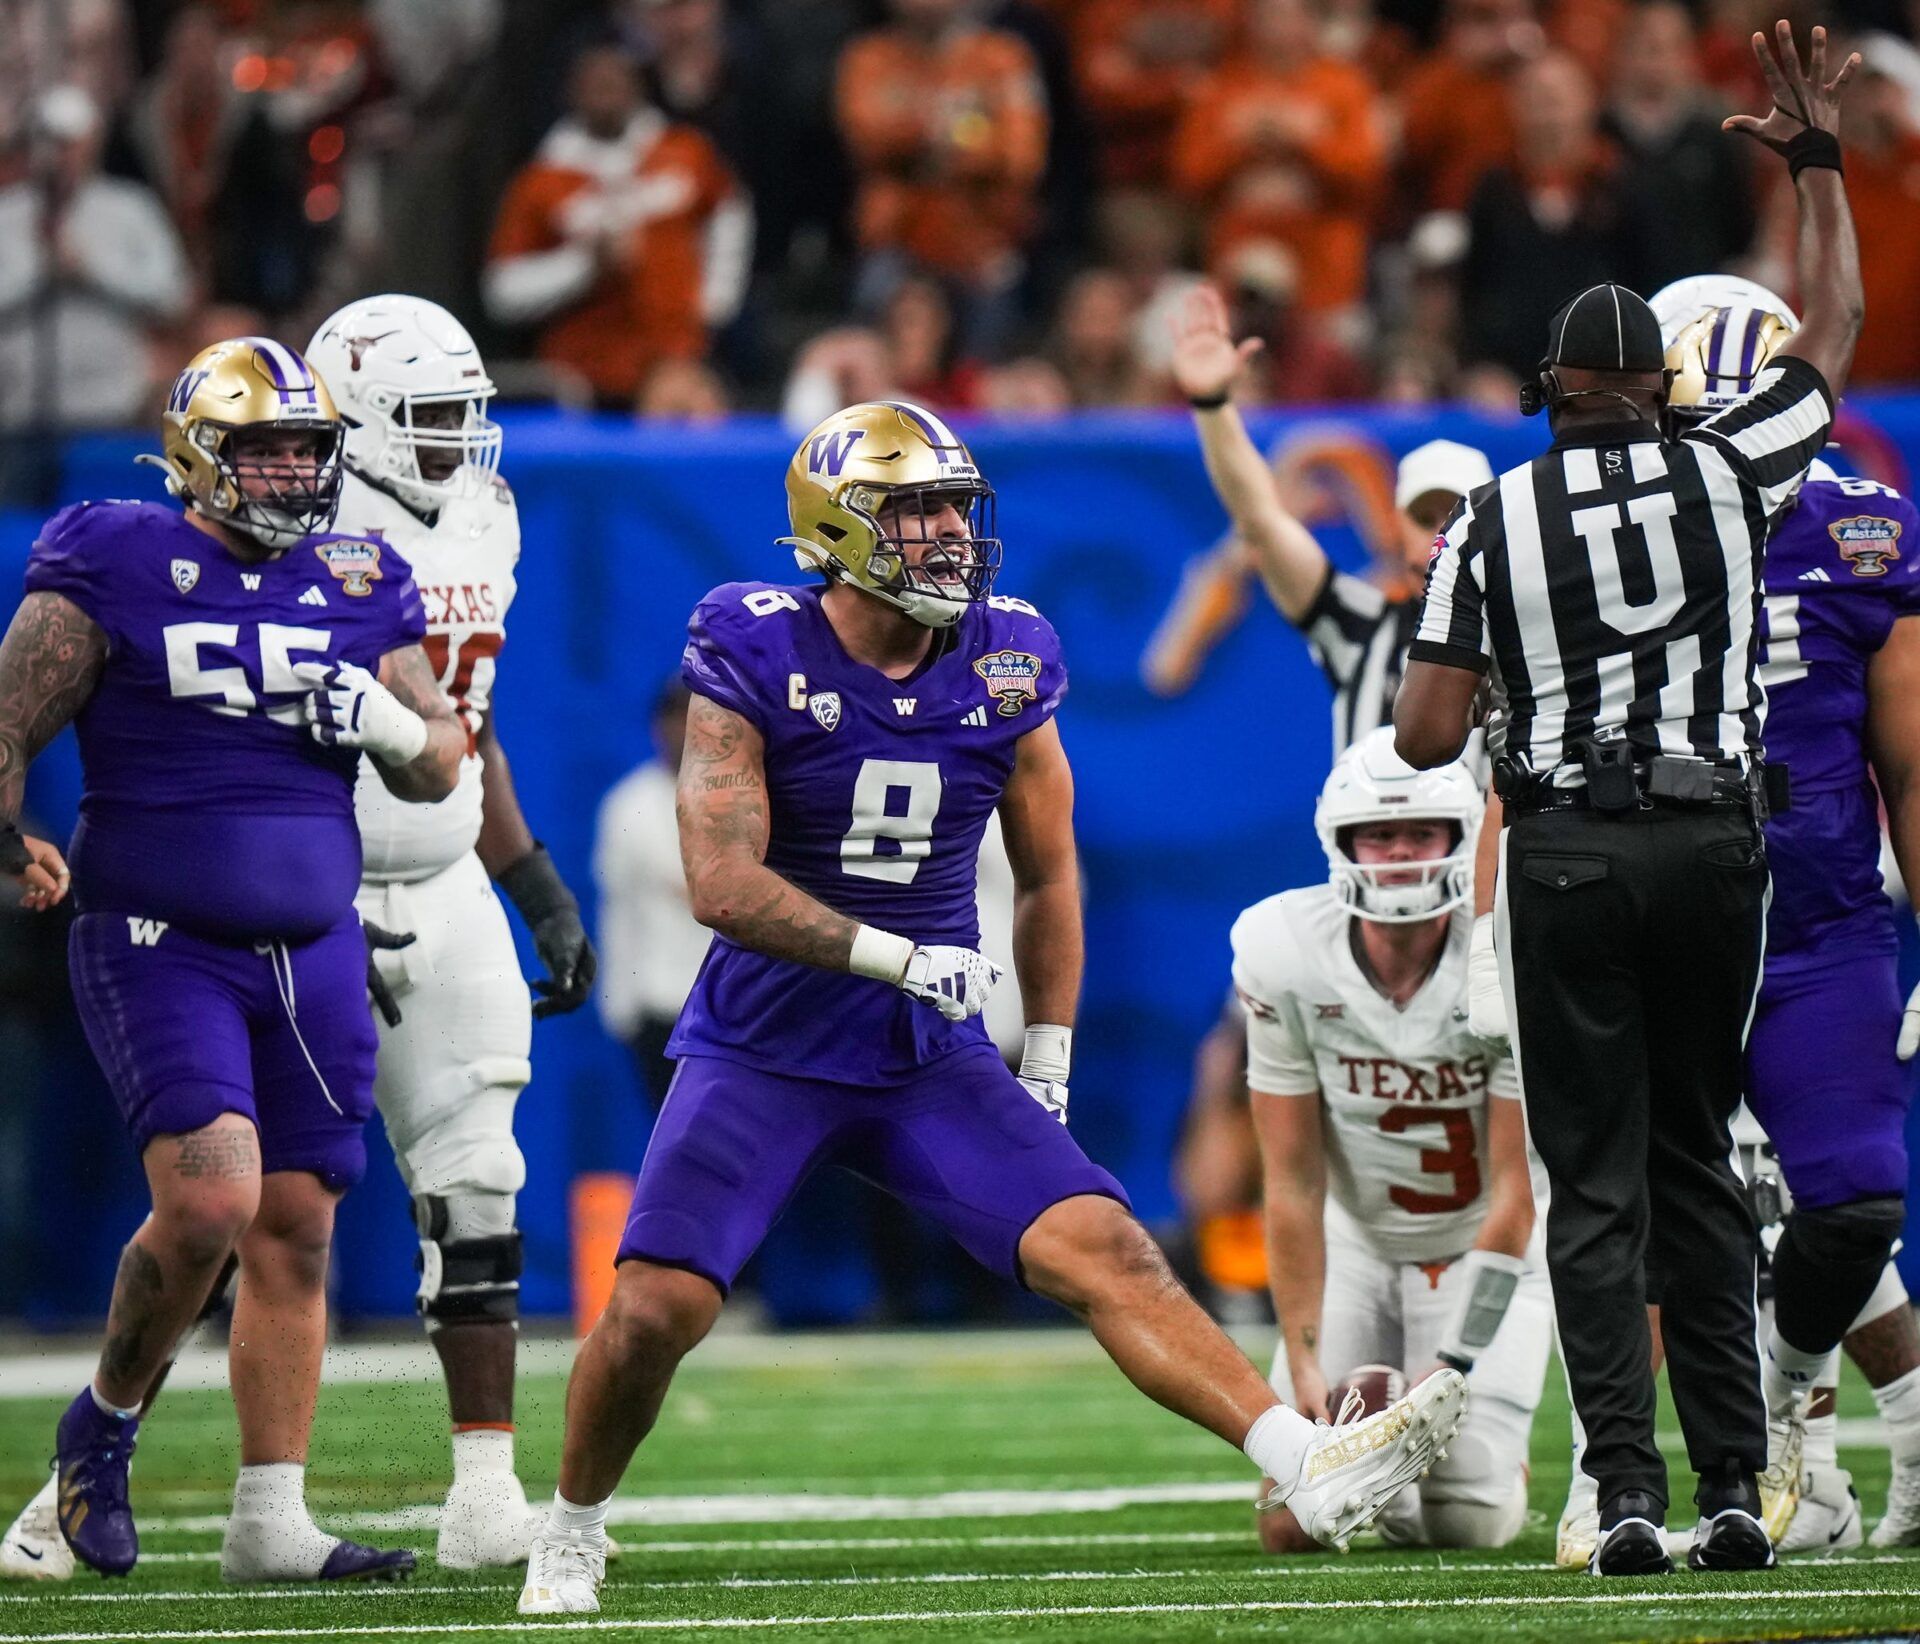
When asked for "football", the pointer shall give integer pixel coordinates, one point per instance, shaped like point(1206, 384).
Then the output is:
point(1377, 1384)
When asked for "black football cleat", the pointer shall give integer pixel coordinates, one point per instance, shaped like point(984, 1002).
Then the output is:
point(1732, 1539)
point(1633, 1544)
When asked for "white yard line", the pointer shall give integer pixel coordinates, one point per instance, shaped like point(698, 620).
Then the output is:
point(1758, 1596)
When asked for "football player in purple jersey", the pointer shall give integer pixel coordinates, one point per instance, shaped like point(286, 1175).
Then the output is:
point(845, 747)
point(225, 668)
point(1840, 660)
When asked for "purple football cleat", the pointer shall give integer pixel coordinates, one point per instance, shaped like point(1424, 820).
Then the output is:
point(349, 1561)
point(92, 1451)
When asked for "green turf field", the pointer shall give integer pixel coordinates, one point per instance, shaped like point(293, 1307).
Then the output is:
point(956, 1487)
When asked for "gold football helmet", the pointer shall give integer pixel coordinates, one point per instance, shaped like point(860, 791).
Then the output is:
point(217, 459)
point(887, 456)
point(1719, 332)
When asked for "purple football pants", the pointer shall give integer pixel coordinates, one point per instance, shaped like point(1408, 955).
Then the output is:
point(1822, 1079)
point(962, 1142)
point(186, 1030)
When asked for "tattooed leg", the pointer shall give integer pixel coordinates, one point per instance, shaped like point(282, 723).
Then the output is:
point(206, 1185)
point(1886, 1348)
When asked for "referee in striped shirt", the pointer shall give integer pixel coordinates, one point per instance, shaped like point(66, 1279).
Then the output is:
point(1610, 588)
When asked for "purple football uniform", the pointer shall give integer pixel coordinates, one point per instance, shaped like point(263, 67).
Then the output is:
point(217, 957)
point(1842, 568)
point(879, 790)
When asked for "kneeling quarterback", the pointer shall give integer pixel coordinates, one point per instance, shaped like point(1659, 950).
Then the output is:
point(845, 747)
point(1393, 1144)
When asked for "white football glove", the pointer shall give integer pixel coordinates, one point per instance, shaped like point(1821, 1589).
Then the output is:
point(1044, 1066)
point(349, 708)
point(955, 981)
point(1486, 1004)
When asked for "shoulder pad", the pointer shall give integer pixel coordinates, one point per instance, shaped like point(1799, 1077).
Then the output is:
point(1270, 941)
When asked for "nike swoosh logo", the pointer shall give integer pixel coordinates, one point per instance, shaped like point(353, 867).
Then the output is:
point(29, 1552)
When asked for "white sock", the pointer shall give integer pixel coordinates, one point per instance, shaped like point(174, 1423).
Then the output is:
point(274, 1489)
point(110, 1409)
point(271, 1535)
point(1277, 1443)
point(1899, 1403)
point(1823, 1437)
point(482, 1450)
point(1786, 1371)
point(574, 1520)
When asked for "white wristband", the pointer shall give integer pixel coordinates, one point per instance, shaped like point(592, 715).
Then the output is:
point(1048, 1054)
point(1488, 1281)
point(880, 954)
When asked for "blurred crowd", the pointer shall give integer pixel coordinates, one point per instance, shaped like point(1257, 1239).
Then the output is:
point(681, 207)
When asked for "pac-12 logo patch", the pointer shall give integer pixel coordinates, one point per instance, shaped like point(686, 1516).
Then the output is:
point(1867, 542)
point(186, 573)
point(355, 563)
point(1013, 678)
point(825, 707)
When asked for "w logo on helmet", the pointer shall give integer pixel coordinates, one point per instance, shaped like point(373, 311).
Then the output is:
point(827, 453)
point(184, 387)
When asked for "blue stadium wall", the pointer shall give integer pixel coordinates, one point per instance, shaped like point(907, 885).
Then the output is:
point(1189, 808)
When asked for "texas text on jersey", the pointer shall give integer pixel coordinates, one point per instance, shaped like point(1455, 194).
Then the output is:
point(464, 560)
point(1405, 1090)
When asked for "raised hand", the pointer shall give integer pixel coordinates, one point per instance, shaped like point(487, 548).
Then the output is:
point(1206, 360)
point(1803, 99)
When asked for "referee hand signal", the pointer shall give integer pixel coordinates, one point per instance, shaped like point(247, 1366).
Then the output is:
point(1206, 360)
point(1803, 100)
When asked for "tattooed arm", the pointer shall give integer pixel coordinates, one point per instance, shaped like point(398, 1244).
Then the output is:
point(432, 773)
point(722, 806)
point(50, 663)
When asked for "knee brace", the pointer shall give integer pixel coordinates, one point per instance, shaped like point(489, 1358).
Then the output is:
point(1827, 1264)
point(1889, 1292)
point(469, 1261)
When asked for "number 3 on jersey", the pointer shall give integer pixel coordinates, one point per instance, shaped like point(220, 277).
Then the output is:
point(894, 804)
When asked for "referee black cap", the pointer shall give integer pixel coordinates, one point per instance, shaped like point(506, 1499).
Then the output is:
point(1606, 328)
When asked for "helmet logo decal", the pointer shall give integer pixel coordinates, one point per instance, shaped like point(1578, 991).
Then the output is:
point(185, 386)
point(1012, 678)
point(358, 346)
point(356, 563)
point(827, 453)
point(1867, 542)
point(825, 707)
point(186, 574)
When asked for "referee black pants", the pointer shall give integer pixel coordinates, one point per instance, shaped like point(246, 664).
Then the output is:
point(1632, 948)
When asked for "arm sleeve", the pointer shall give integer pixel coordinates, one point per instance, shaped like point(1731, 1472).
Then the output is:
point(1453, 621)
point(1279, 1059)
point(717, 663)
point(1341, 622)
point(1771, 436)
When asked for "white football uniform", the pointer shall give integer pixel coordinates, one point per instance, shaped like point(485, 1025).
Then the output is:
point(1404, 1093)
point(449, 1074)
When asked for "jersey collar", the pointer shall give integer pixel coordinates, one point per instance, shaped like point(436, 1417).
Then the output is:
point(1627, 431)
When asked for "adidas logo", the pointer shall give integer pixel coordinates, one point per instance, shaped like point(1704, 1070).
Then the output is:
point(1815, 575)
point(313, 596)
point(977, 717)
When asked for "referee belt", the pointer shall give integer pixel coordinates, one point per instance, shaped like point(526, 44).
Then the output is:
point(1662, 784)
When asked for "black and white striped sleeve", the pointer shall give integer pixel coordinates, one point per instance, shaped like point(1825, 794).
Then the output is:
point(1340, 624)
point(1770, 437)
point(1453, 620)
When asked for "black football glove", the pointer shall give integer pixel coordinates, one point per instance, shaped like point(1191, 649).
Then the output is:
point(534, 886)
point(377, 990)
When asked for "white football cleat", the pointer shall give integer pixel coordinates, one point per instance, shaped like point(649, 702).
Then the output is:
point(1780, 1483)
point(34, 1549)
point(1353, 1468)
point(564, 1573)
point(1828, 1519)
point(1579, 1532)
point(1901, 1526)
point(486, 1523)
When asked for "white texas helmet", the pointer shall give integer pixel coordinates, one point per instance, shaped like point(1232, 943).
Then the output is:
point(1372, 783)
point(413, 393)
